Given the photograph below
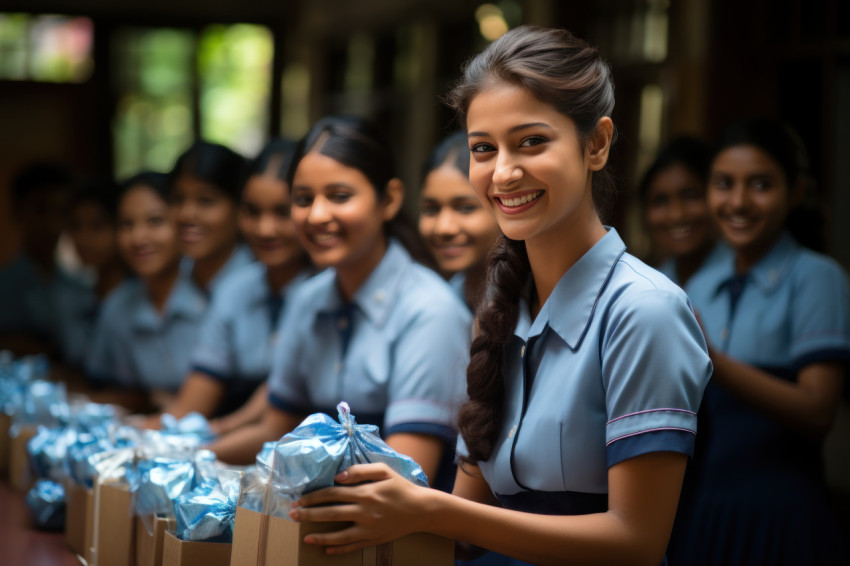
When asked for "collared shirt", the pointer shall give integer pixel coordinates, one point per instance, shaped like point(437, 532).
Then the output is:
point(77, 308)
point(791, 309)
point(136, 346)
point(240, 257)
point(613, 366)
point(397, 353)
point(238, 336)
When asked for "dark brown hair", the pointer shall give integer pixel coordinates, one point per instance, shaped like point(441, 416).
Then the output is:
point(565, 72)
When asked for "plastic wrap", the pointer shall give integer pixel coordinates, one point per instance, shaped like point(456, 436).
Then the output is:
point(41, 403)
point(208, 512)
point(46, 504)
point(308, 458)
point(193, 425)
point(48, 450)
point(255, 480)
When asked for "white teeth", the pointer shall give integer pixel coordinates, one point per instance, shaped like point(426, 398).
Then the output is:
point(322, 238)
point(739, 220)
point(519, 201)
point(680, 231)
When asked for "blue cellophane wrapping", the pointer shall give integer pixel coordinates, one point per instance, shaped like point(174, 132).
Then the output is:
point(255, 480)
point(193, 425)
point(162, 479)
point(308, 458)
point(48, 449)
point(41, 403)
point(46, 504)
point(208, 512)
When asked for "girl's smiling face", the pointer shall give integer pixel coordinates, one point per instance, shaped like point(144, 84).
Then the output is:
point(458, 230)
point(147, 235)
point(265, 221)
point(206, 217)
point(337, 213)
point(92, 230)
point(677, 212)
point(528, 164)
point(749, 199)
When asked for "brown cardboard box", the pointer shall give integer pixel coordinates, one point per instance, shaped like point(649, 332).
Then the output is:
point(176, 552)
point(89, 525)
point(261, 540)
point(114, 526)
point(20, 475)
point(76, 510)
point(5, 423)
point(149, 545)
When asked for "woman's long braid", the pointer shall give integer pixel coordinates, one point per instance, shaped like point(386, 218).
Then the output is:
point(480, 418)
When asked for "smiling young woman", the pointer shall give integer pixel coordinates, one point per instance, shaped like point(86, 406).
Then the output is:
point(587, 366)
point(777, 320)
point(457, 229)
point(375, 329)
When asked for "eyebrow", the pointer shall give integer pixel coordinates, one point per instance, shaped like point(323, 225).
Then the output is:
point(514, 129)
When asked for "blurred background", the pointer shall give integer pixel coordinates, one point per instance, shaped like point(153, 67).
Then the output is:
point(105, 86)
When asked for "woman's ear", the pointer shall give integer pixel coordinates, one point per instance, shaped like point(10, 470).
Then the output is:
point(599, 144)
point(393, 199)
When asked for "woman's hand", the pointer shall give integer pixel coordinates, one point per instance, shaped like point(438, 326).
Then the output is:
point(384, 508)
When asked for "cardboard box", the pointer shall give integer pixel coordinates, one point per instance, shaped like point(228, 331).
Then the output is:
point(176, 552)
point(89, 525)
point(76, 511)
point(20, 474)
point(5, 423)
point(149, 544)
point(113, 541)
point(261, 540)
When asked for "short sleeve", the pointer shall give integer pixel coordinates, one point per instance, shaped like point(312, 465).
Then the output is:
point(429, 372)
point(820, 317)
point(214, 353)
point(654, 369)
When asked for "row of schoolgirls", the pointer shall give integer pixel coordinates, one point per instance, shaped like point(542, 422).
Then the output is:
point(578, 400)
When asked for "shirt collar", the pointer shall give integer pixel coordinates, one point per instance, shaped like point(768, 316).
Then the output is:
point(378, 293)
point(767, 273)
point(185, 300)
point(569, 309)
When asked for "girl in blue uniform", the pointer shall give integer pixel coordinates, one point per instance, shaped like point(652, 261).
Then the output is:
point(587, 367)
point(91, 227)
point(777, 320)
point(375, 329)
point(457, 229)
point(233, 356)
point(672, 195)
point(205, 184)
point(149, 325)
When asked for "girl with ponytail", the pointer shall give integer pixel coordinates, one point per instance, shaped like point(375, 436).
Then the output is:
point(588, 366)
point(376, 328)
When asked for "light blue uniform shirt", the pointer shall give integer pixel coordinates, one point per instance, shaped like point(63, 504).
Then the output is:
point(240, 257)
point(613, 366)
point(77, 308)
point(793, 308)
point(136, 346)
point(238, 336)
point(397, 353)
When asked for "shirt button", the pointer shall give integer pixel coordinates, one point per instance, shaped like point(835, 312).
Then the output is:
point(337, 367)
point(342, 323)
point(724, 334)
point(380, 296)
point(512, 432)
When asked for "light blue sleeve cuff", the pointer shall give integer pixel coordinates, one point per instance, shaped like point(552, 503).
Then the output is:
point(650, 420)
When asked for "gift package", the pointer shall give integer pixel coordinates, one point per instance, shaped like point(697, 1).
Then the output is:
point(131, 497)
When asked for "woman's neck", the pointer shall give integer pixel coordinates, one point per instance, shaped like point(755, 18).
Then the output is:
point(108, 277)
point(552, 254)
point(353, 274)
point(207, 268)
point(279, 276)
point(159, 286)
point(747, 258)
